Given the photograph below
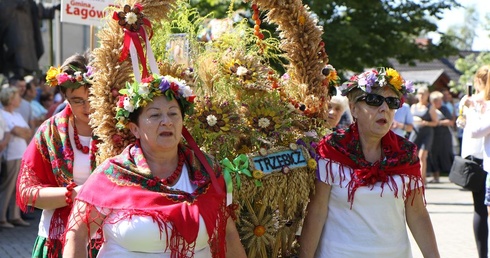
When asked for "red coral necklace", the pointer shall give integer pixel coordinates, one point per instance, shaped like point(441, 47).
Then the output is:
point(80, 147)
point(173, 177)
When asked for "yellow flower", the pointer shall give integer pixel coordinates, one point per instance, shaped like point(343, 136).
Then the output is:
point(258, 174)
point(394, 78)
point(312, 163)
point(51, 76)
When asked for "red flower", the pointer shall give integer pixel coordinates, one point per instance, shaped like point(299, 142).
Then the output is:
point(120, 103)
point(191, 98)
point(174, 87)
point(147, 79)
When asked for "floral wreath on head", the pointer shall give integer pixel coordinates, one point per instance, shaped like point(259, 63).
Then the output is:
point(370, 80)
point(55, 77)
point(137, 95)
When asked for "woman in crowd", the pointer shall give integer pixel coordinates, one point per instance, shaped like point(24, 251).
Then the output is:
point(471, 108)
point(441, 154)
point(336, 107)
point(46, 100)
point(60, 157)
point(403, 120)
point(424, 119)
point(369, 185)
point(20, 134)
point(159, 197)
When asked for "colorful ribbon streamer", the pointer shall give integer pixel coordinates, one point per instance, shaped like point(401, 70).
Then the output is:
point(132, 45)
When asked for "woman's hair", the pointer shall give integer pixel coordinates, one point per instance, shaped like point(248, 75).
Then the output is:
point(483, 75)
point(6, 95)
point(46, 96)
point(422, 89)
point(435, 95)
point(75, 63)
point(341, 101)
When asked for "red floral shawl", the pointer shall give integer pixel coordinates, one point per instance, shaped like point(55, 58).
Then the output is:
point(48, 162)
point(343, 146)
point(125, 184)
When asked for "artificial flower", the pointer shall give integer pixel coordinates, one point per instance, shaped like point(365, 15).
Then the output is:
point(137, 95)
point(377, 78)
point(55, 77)
point(394, 78)
point(131, 18)
point(264, 122)
point(241, 71)
point(212, 120)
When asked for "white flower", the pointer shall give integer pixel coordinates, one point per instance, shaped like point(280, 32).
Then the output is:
point(240, 71)
point(128, 105)
point(131, 92)
point(264, 122)
point(131, 18)
point(143, 89)
point(186, 91)
point(171, 79)
point(382, 82)
point(212, 120)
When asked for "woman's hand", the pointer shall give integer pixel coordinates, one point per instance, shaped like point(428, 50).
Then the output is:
point(418, 220)
point(83, 223)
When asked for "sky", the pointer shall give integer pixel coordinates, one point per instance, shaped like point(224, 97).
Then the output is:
point(454, 17)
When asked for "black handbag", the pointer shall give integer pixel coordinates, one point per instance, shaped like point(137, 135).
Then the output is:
point(468, 173)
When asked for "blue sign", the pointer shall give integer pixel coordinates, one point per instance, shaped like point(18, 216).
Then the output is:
point(276, 161)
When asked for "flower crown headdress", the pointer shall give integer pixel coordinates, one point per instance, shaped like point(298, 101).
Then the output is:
point(55, 77)
point(382, 77)
point(137, 95)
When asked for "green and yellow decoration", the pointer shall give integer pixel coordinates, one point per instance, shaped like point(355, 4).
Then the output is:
point(257, 121)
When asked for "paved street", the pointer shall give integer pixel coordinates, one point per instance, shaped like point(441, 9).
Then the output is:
point(451, 212)
point(449, 206)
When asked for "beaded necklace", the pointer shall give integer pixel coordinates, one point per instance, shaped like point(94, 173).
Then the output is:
point(84, 149)
point(80, 147)
point(170, 180)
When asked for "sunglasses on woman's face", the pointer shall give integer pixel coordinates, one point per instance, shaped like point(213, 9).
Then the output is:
point(376, 100)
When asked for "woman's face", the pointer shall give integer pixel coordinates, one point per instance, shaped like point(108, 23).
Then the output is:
point(423, 96)
point(437, 103)
point(15, 100)
point(374, 121)
point(47, 103)
point(335, 111)
point(159, 125)
point(78, 100)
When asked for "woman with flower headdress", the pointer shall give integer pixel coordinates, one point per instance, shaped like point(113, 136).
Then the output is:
point(159, 197)
point(368, 184)
point(60, 157)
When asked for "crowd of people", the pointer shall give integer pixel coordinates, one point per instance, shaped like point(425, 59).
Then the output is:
point(49, 153)
point(25, 102)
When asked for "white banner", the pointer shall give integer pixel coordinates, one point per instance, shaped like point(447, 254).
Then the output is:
point(86, 12)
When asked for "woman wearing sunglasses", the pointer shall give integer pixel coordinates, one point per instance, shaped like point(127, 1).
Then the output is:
point(369, 185)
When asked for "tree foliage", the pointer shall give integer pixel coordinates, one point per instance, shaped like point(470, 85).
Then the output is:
point(359, 34)
point(468, 66)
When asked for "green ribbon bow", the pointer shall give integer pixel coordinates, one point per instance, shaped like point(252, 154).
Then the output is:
point(239, 166)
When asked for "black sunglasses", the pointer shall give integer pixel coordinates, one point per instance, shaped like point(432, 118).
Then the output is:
point(376, 100)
